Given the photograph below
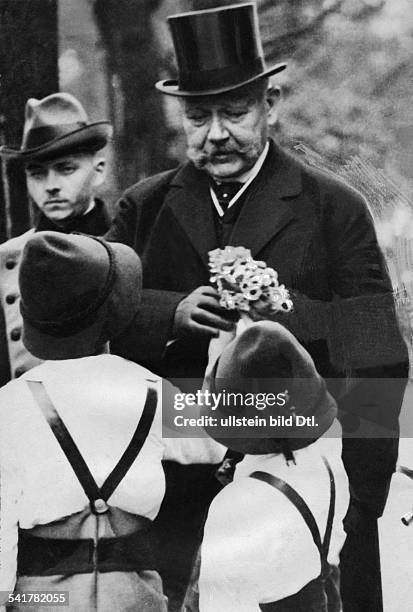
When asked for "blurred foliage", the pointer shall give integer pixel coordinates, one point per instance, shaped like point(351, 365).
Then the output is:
point(341, 85)
point(132, 65)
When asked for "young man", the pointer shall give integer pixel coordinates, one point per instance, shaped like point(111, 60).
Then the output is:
point(241, 188)
point(61, 152)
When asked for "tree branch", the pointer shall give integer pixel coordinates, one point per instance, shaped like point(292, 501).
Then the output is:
point(305, 30)
point(284, 40)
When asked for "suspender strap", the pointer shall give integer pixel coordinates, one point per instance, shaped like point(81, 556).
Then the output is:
point(303, 508)
point(65, 440)
point(295, 499)
point(78, 464)
point(134, 446)
point(330, 516)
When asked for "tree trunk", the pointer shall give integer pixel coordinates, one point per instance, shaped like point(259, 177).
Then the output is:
point(134, 61)
point(28, 68)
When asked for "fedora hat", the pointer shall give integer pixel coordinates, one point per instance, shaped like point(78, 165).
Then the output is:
point(217, 50)
point(77, 293)
point(267, 359)
point(56, 125)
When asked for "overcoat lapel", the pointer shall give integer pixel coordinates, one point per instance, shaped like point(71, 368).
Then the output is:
point(190, 202)
point(267, 209)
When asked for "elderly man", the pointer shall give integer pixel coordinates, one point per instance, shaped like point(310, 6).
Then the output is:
point(240, 188)
point(61, 153)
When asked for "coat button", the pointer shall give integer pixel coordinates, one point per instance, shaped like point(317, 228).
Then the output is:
point(11, 298)
point(16, 333)
point(10, 264)
point(19, 371)
point(99, 506)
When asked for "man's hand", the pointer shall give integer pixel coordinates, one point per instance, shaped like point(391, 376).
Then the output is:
point(200, 313)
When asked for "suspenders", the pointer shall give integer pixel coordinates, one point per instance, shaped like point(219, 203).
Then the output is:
point(304, 510)
point(98, 496)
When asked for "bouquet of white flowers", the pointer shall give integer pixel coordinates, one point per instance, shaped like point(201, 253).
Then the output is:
point(245, 285)
point(242, 282)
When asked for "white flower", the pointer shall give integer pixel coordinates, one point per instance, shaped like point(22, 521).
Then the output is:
point(241, 281)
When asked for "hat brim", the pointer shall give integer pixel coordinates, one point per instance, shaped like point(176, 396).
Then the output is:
point(112, 318)
point(89, 137)
point(171, 86)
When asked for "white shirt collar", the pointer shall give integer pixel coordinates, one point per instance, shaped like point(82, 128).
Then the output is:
point(250, 174)
point(245, 178)
point(90, 207)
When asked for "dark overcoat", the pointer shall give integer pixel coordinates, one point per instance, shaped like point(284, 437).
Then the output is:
point(318, 234)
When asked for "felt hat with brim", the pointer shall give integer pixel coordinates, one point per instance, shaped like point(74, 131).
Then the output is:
point(267, 361)
point(217, 50)
point(77, 293)
point(57, 125)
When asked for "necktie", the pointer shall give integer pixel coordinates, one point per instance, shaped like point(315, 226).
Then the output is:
point(225, 192)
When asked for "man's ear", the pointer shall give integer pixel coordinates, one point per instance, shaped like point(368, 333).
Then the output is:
point(272, 97)
point(99, 166)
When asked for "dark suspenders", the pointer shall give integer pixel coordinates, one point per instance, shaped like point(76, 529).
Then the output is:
point(304, 510)
point(97, 496)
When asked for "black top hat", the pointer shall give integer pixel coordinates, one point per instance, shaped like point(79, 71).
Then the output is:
point(217, 50)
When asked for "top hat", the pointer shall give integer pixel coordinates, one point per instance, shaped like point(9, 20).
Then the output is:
point(267, 359)
point(56, 125)
point(77, 293)
point(217, 50)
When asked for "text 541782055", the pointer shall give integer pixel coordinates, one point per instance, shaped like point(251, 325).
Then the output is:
point(29, 598)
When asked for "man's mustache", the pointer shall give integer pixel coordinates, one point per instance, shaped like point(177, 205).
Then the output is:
point(203, 157)
point(223, 151)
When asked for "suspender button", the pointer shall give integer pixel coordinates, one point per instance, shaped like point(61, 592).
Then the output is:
point(99, 506)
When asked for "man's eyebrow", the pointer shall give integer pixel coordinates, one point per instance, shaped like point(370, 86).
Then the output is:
point(194, 106)
point(66, 160)
point(234, 102)
point(237, 103)
point(246, 100)
point(33, 167)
